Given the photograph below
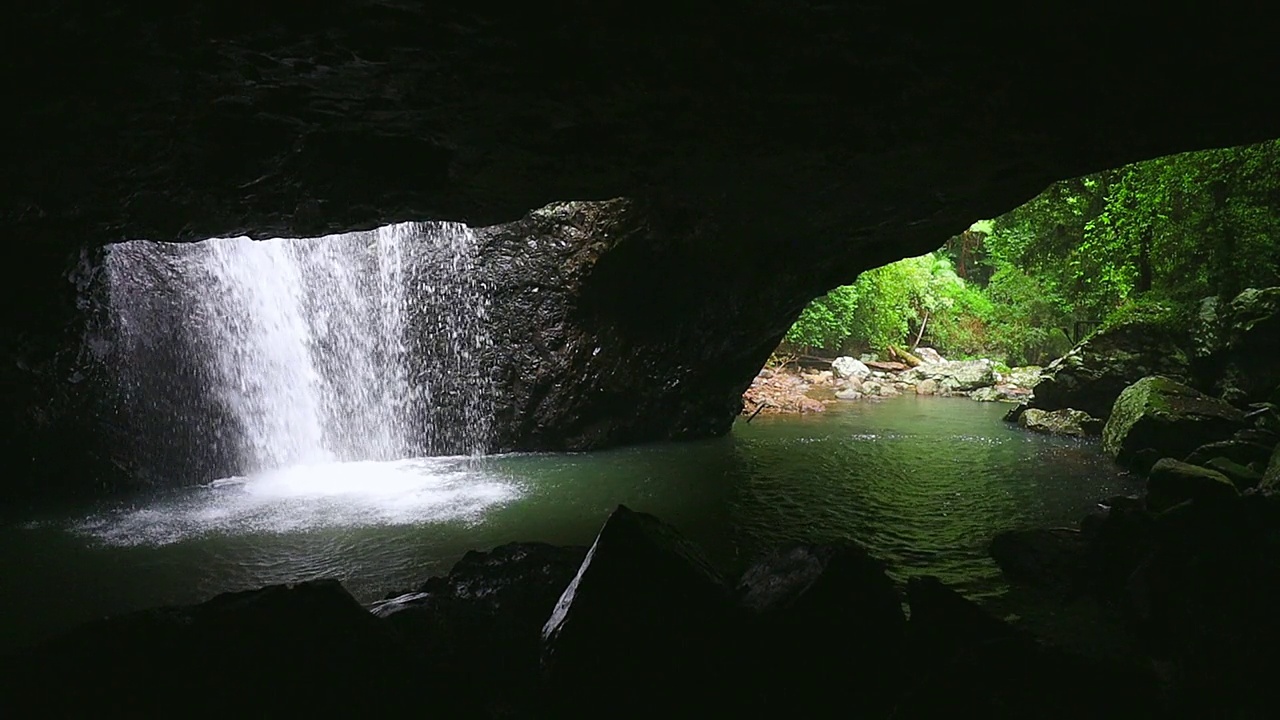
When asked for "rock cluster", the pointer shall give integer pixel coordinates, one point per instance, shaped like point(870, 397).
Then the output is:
point(638, 625)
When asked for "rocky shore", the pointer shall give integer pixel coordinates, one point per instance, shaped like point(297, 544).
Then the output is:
point(786, 390)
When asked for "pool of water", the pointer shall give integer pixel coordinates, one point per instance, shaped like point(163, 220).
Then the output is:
point(922, 482)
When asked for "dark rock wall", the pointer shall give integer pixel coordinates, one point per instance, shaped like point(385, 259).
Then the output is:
point(769, 154)
point(611, 326)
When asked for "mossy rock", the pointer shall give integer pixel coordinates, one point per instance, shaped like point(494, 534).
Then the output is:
point(1067, 421)
point(1161, 414)
point(1173, 482)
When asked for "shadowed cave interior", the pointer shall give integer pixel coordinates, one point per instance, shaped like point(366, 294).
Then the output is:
point(384, 356)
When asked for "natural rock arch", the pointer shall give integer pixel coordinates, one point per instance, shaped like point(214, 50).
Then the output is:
point(765, 156)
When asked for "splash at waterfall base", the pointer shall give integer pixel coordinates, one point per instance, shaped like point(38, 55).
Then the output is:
point(638, 626)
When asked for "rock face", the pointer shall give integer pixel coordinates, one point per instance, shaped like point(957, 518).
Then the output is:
point(1093, 374)
point(591, 351)
point(1060, 422)
point(1161, 415)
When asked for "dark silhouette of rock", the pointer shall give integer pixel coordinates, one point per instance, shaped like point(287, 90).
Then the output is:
point(642, 628)
point(476, 632)
point(820, 618)
point(961, 657)
point(281, 649)
point(1056, 557)
point(1171, 483)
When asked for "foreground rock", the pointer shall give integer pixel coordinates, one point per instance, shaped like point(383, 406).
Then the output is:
point(1067, 421)
point(961, 657)
point(644, 610)
point(272, 651)
point(1093, 374)
point(1171, 483)
point(807, 608)
point(1160, 417)
point(477, 631)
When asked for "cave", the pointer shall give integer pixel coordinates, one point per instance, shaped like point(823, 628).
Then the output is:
point(647, 198)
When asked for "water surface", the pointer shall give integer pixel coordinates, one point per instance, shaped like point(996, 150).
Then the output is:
point(923, 482)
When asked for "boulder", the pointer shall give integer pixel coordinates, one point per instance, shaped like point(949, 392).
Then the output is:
point(820, 617)
point(929, 355)
point(1237, 450)
point(927, 387)
point(848, 394)
point(256, 652)
point(1172, 482)
point(1024, 377)
point(1057, 557)
point(1246, 367)
point(1066, 421)
point(1242, 476)
point(477, 631)
point(961, 657)
point(1092, 375)
point(1158, 413)
point(847, 367)
point(1205, 601)
point(645, 610)
point(954, 376)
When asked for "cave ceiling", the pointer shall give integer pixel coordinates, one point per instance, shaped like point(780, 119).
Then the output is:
point(850, 130)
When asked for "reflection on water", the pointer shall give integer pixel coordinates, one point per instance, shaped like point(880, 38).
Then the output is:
point(923, 482)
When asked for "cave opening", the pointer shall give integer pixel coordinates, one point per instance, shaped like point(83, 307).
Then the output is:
point(755, 161)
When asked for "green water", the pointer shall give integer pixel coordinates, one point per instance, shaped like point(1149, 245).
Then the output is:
point(923, 482)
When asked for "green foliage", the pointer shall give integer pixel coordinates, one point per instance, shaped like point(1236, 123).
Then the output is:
point(1142, 242)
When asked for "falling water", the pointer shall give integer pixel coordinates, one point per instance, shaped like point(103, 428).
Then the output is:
point(238, 356)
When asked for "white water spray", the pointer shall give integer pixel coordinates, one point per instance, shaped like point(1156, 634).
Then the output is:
point(277, 353)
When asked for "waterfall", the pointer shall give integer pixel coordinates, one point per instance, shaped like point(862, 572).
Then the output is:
point(236, 356)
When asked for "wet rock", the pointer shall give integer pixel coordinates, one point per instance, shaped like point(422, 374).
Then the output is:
point(1243, 477)
point(820, 618)
point(645, 610)
point(1095, 372)
point(1161, 414)
point(1067, 421)
point(927, 387)
point(1172, 482)
point(959, 656)
point(847, 367)
point(1057, 558)
point(848, 394)
point(1015, 412)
